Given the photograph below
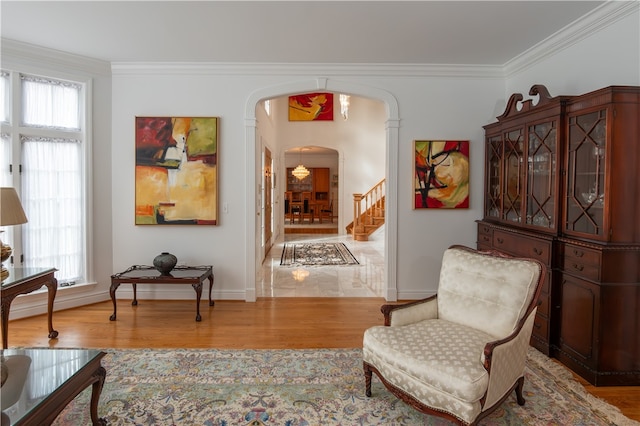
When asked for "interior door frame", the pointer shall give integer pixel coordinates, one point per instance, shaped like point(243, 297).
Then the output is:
point(254, 160)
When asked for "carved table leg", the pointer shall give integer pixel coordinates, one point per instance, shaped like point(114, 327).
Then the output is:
point(6, 305)
point(211, 302)
point(135, 294)
point(96, 390)
point(198, 288)
point(52, 288)
point(112, 293)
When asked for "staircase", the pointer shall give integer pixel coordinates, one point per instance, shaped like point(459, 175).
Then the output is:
point(368, 211)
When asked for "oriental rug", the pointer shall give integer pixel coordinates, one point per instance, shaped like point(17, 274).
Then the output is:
point(316, 254)
point(302, 388)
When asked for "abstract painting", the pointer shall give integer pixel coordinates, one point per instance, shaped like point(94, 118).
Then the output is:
point(311, 107)
point(176, 176)
point(441, 174)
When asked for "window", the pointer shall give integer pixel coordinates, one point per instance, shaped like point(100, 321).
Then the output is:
point(267, 107)
point(43, 155)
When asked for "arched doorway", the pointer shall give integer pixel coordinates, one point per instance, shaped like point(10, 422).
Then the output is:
point(254, 158)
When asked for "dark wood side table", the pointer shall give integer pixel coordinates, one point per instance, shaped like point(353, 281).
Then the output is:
point(23, 281)
point(54, 378)
point(140, 274)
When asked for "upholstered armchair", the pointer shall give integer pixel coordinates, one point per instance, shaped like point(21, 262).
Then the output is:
point(460, 353)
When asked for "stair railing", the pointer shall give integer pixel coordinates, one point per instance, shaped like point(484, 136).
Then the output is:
point(367, 206)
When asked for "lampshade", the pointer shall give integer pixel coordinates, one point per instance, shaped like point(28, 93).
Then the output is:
point(11, 212)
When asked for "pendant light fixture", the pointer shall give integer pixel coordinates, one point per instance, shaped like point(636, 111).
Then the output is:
point(301, 171)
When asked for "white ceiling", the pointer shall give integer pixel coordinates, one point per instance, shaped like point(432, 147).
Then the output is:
point(374, 32)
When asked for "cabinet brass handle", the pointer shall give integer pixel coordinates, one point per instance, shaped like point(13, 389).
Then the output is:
point(537, 251)
point(500, 240)
point(578, 253)
point(578, 267)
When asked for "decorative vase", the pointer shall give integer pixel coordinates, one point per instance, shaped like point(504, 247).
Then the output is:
point(165, 262)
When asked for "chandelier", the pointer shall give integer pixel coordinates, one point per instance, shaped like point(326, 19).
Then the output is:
point(301, 171)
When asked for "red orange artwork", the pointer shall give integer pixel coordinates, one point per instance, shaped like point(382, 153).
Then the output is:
point(176, 171)
point(311, 107)
point(441, 174)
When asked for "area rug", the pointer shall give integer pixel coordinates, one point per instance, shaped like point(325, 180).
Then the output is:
point(315, 254)
point(301, 388)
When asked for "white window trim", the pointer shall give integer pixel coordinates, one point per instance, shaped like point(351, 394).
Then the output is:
point(16, 128)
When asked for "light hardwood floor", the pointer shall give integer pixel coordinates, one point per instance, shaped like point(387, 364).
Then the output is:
point(269, 323)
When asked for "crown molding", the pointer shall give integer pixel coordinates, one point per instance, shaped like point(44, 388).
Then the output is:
point(601, 17)
point(17, 54)
point(307, 69)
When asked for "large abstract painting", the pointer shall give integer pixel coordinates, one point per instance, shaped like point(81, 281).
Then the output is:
point(441, 174)
point(311, 107)
point(176, 174)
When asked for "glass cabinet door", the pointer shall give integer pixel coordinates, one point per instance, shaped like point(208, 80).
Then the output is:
point(585, 174)
point(513, 177)
point(541, 175)
point(492, 205)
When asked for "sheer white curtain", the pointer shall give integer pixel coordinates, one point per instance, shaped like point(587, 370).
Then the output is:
point(50, 103)
point(52, 196)
point(52, 176)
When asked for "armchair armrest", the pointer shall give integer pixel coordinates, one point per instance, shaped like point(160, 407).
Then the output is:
point(409, 313)
point(504, 360)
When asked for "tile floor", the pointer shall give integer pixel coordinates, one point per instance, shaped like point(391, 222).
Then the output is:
point(363, 280)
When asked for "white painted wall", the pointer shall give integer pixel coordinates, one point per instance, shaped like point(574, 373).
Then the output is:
point(595, 59)
point(433, 103)
point(432, 108)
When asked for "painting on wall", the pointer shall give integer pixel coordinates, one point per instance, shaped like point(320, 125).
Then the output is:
point(176, 176)
point(311, 107)
point(441, 174)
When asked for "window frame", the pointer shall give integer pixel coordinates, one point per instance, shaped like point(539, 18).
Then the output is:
point(15, 129)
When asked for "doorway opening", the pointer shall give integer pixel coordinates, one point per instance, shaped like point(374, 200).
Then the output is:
point(254, 248)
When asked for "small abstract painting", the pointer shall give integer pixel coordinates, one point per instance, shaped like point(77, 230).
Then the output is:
point(176, 177)
point(311, 107)
point(441, 174)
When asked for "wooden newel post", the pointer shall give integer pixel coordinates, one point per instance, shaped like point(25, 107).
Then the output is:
point(357, 198)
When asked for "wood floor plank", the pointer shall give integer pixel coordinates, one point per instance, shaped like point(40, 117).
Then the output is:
point(269, 323)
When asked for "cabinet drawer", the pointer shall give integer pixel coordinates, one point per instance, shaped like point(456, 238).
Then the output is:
point(543, 307)
point(484, 239)
point(484, 229)
point(541, 327)
point(522, 246)
point(581, 262)
point(582, 254)
point(581, 269)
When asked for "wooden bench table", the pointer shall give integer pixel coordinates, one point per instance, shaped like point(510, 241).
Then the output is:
point(140, 274)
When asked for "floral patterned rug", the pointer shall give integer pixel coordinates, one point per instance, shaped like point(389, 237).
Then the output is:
point(301, 388)
point(310, 254)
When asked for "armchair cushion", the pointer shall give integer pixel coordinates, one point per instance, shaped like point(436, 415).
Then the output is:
point(440, 355)
point(474, 287)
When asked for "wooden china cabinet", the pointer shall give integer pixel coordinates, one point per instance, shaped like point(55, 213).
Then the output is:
point(317, 183)
point(562, 185)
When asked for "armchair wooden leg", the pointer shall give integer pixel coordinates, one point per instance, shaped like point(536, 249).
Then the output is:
point(519, 387)
point(367, 379)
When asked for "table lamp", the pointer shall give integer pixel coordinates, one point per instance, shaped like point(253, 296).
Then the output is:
point(11, 213)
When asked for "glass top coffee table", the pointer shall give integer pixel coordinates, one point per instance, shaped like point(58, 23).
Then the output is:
point(39, 383)
point(141, 274)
